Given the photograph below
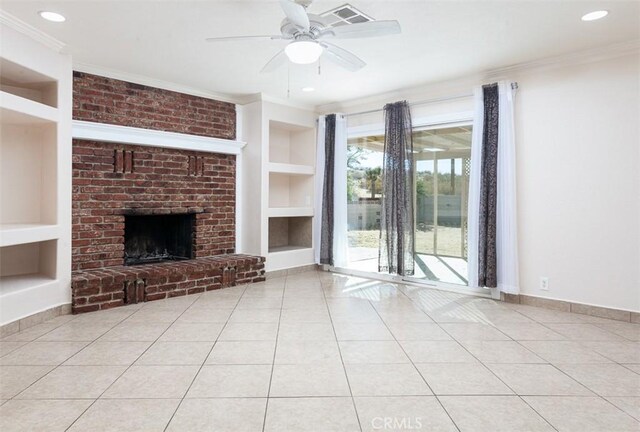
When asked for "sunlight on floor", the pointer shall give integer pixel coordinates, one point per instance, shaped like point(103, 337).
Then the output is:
point(431, 267)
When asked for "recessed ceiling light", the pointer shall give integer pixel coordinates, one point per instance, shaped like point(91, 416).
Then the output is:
point(52, 16)
point(595, 15)
point(307, 89)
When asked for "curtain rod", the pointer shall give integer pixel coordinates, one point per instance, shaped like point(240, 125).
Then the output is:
point(514, 86)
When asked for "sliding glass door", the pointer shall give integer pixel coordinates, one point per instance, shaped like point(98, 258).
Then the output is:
point(441, 168)
point(364, 192)
point(441, 162)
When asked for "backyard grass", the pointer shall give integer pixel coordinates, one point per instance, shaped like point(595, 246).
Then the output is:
point(449, 240)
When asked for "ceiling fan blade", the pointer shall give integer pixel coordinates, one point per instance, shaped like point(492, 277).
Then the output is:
point(363, 30)
point(296, 13)
point(343, 57)
point(275, 62)
point(240, 38)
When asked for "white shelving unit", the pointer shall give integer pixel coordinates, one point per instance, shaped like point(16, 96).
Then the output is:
point(281, 146)
point(291, 169)
point(290, 211)
point(18, 110)
point(35, 176)
point(15, 234)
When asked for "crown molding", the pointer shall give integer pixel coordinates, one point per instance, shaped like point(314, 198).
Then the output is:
point(287, 102)
point(592, 55)
point(153, 82)
point(429, 90)
point(30, 31)
point(262, 97)
point(508, 72)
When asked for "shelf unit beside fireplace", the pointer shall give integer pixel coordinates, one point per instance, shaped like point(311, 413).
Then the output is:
point(35, 176)
point(279, 168)
point(291, 183)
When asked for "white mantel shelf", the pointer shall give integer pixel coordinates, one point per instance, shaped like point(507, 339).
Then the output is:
point(154, 138)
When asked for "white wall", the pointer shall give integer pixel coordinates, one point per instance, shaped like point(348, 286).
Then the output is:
point(578, 184)
point(578, 145)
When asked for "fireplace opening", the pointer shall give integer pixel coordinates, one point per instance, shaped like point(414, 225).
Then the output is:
point(154, 238)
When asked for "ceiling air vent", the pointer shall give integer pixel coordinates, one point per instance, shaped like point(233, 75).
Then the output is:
point(345, 14)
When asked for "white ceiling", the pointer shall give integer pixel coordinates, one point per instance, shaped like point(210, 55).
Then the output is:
point(164, 40)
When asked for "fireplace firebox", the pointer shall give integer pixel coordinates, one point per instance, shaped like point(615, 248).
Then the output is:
point(155, 238)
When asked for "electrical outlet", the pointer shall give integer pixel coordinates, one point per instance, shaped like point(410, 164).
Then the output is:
point(544, 283)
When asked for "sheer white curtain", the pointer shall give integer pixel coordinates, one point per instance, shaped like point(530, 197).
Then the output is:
point(506, 215)
point(506, 211)
point(473, 217)
point(340, 239)
point(319, 185)
point(339, 190)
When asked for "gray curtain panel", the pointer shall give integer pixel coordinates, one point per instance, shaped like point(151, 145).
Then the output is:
point(487, 272)
point(326, 235)
point(397, 216)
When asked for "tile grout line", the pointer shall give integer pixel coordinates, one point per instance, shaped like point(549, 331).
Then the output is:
point(344, 368)
point(131, 365)
point(597, 324)
point(42, 335)
point(275, 350)
point(481, 363)
point(55, 367)
point(546, 363)
point(413, 364)
point(370, 301)
point(5, 339)
point(62, 363)
point(343, 397)
point(208, 354)
point(555, 367)
point(603, 398)
point(544, 324)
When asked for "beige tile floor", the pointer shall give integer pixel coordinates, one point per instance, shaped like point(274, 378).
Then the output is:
point(322, 352)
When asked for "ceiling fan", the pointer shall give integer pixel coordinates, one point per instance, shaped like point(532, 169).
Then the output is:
point(308, 34)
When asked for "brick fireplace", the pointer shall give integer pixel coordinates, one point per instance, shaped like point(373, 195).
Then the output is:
point(152, 238)
point(152, 222)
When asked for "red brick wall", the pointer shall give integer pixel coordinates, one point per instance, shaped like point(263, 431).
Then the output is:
point(105, 100)
point(109, 179)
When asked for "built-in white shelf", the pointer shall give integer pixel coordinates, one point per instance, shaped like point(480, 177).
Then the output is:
point(35, 174)
point(18, 110)
point(14, 284)
point(290, 211)
point(291, 169)
point(23, 81)
point(287, 190)
point(281, 249)
point(291, 143)
point(15, 234)
point(291, 149)
point(279, 172)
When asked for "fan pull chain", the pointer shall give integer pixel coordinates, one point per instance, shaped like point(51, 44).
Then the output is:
point(288, 81)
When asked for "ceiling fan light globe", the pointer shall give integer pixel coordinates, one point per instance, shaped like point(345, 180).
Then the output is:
point(303, 52)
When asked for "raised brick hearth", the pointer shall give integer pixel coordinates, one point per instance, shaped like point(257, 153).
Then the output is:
point(112, 182)
point(114, 286)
